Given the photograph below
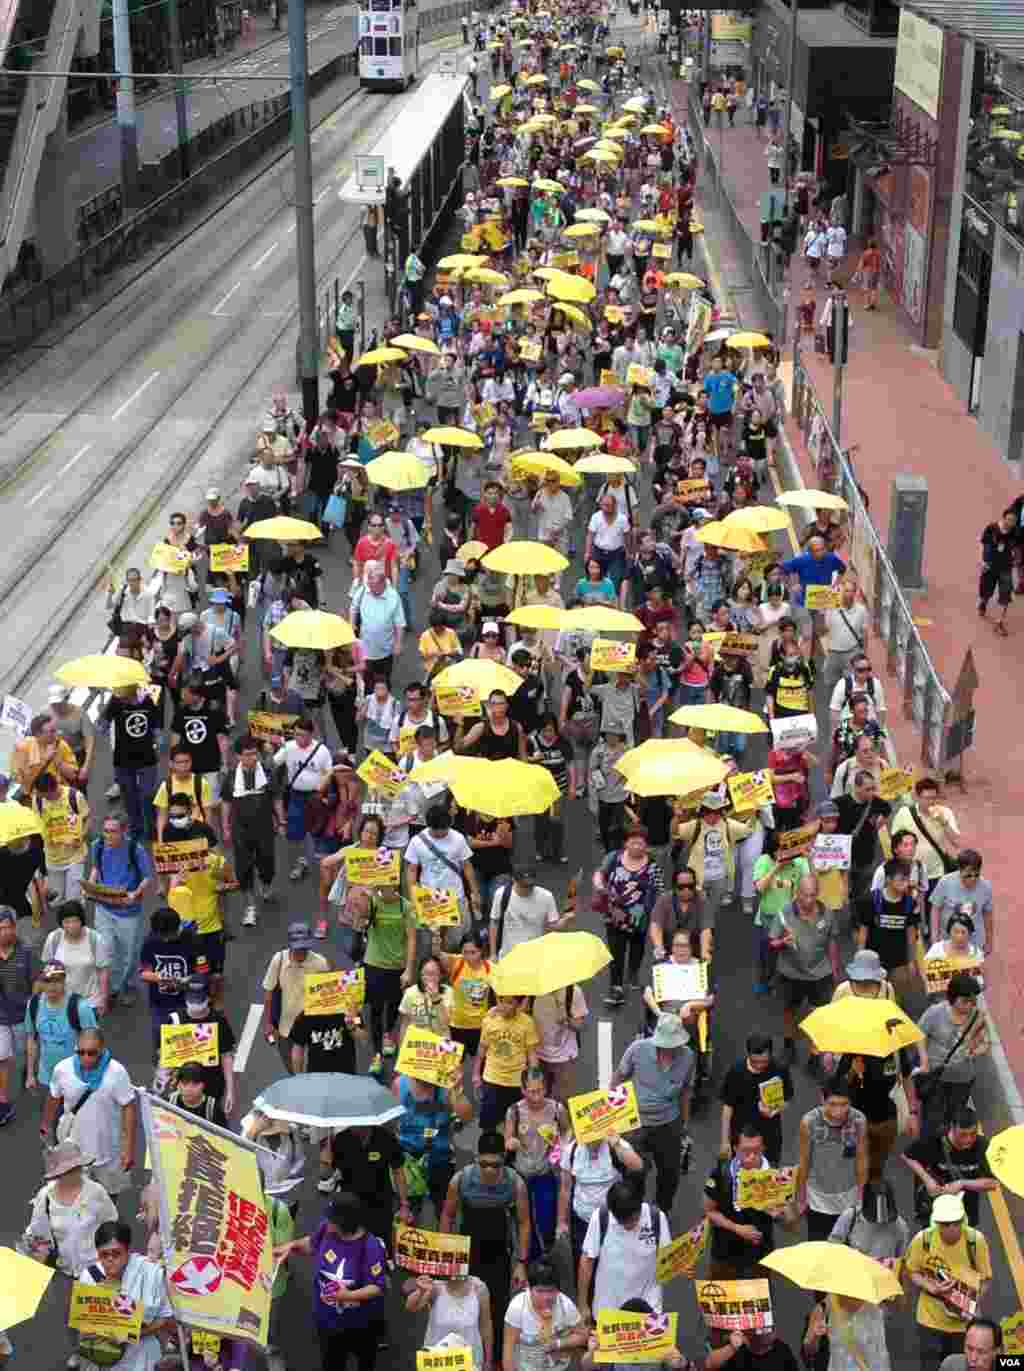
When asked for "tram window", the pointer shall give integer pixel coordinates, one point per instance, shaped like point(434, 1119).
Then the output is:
point(366, 46)
point(380, 47)
point(394, 47)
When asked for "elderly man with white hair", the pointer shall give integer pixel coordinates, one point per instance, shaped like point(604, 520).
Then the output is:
point(381, 621)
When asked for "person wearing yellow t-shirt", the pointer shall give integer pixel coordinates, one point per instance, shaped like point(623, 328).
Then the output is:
point(508, 1045)
point(198, 895)
point(64, 814)
point(469, 975)
point(182, 780)
point(946, 1261)
point(439, 644)
point(833, 882)
point(43, 752)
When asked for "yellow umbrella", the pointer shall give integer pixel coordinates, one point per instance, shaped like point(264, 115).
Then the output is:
point(284, 529)
point(461, 259)
point(102, 671)
point(497, 92)
point(811, 499)
point(379, 357)
point(397, 471)
point(585, 83)
point(23, 1283)
point(314, 628)
point(685, 279)
point(487, 276)
point(482, 673)
point(759, 519)
point(546, 183)
point(593, 216)
point(636, 105)
point(522, 296)
point(615, 51)
point(471, 551)
point(538, 79)
point(512, 182)
point(716, 718)
point(748, 340)
point(536, 616)
point(670, 766)
point(525, 558)
point(602, 619)
point(599, 155)
point(552, 962)
point(651, 226)
point(452, 436)
point(837, 1270)
point(605, 464)
point(538, 463)
point(736, 539)
point(614, 131)
point(412, 342)
point(570, 438)
point(1005, 1154)
point(544, 120)
point(654, 128)
point(17, 822)
point(576, 288)
point(505, 789)
point(869, 1028)
point(585, 108)
point(581, 231)
point(576, 315)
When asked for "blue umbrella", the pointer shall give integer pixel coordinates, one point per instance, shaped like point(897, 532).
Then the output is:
point(329, 1099)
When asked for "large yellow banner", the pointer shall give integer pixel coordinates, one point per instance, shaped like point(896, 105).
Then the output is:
point(215, 1232)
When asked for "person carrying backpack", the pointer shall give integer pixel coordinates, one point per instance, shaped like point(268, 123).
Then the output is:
point(940, 1261)
point(124, 868)
point(589, 1170)
point(53, 1020)
point(620, 1252)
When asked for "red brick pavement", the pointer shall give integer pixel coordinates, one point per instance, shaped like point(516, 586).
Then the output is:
point(906, 418)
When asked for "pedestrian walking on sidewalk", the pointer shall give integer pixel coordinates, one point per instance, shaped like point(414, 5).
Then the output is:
point(776, 156)
point(997, 550)
point(868, 269)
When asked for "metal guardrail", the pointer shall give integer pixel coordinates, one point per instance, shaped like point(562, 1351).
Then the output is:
point(99, 214)
point(926, 701)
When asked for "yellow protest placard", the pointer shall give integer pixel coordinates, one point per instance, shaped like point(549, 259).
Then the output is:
point(334, 992)
point(768, 1188)
point(469, 242)
point(772, 1093)
point(662, 250)
point(436, 908)
point(214, 1225)
point(448, 1359)
point(608, 378)
point(266, 726)
point(637, 375)
point(381, 774)
point(743, 644)
point(458, 702)
point(443, 1255)
point(382, 434)
point(173, 858)
point(1013, 1334)
point(750, 789)
point(795, 841)
point(608, 655)
point(627, 1337)
point(599, 1112)
point(205, 1342)
point(373, 866)
point(407, 739)
point(680, 1257)
point(822, 597)
point(713, 639)
point(693, 490)
point(103, 1309)
point(565, 260)
point(528, 351)
point(614, 314)
point(678, 982)
point(428, 1057)
point(188, 1042)
point(894, 781)
point(62, 828)
point(175, 561)
point(539, 422)
point(229, 557)
point(757, 563)
point(938, 970)
point(744, 1306)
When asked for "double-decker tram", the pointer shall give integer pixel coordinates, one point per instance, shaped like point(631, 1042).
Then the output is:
point(388, 41)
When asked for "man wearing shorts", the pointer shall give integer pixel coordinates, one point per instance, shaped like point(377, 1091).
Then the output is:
point(997, 550)
point(805, 936)
point(720, 388)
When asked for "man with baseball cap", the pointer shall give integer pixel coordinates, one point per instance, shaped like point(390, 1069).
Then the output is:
point(942, 1261)
point(284, 987)
point(53, 1020)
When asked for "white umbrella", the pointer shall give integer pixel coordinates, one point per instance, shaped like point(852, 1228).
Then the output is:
point(329, 1099)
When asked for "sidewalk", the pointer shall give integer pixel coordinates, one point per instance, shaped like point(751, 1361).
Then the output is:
point(905, 418)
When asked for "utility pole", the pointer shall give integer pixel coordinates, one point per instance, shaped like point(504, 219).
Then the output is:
point(706, 17)
point(794, 19)
point(180, 86)
point(308, 352)
point(126, 102)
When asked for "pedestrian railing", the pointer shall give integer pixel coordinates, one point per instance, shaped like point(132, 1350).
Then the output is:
point(926, 701)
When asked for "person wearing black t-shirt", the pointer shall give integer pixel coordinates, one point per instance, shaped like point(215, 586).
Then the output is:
point(861, 815)
point(547, 748)
point(326, 1042)
point(889, 920)
point(305, 573)
point(368, 1162)
point(190, 1095)
point(220, 1078)
point(526, 705)
point(755, 1351)
point(136, 720)
point(201, 729)
point(953, 1162)
point(742, 1095)
point(21, 863)
point(739, 1237)
point(167, 960)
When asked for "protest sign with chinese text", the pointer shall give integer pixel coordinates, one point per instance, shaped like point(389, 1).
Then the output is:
point(608, 655)
point(1013, 1334)
point(680, 1257)
point(436, 908)
point(104, 1310)
point(445, 1256)
point(693, 489)
point(373, 866)
point(173, 561)
point(831, 852)
point(822, 597)
point(795, 731)
point(938, 970)
point(627, 1337)
point(772, 1093)
point(266, 726)
point(795, 841)
point(766, 1188)
point(229, 557)
point(458, 702)
point(893, 782)
point(599, 1112)
point(444, 1359)
point(428, 1057)
point(170, 859)
point(743, 1306)
point(677, 982)
point(189, 1042)
point(750, 790)
point(334, 992)
point(381, 774)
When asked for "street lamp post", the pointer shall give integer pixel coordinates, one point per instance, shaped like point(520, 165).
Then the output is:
point(794, 14)
point(308, 353)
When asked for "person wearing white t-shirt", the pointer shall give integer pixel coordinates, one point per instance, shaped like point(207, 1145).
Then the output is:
point(99, 1091)
point(529, 911)
point(543, 1327)
point(589, 1170)
point(622, 1266)
point(608, 540)
point(306, 762)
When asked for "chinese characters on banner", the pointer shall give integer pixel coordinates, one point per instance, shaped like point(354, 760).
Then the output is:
point(600, 1112)
point(334, 992)
point(428, 1057)
point(442, 1255)
point(626, 1337)
point(735, 1305)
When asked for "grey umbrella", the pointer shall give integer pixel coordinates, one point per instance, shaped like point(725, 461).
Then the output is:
point(329, 1099)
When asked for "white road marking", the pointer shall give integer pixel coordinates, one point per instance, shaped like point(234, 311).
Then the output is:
point(217, 308)
point(245, 1042)
point(318, 198)
point(132, 398)
point(40, 493)
point(80, 453)
point(604, 1053)
point(256, 265)
point(291, 228)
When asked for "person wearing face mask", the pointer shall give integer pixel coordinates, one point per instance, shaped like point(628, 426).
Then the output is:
point(219, 1078)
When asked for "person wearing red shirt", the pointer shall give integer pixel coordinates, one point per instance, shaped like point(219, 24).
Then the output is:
point(492, 518)
point(375, 546)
